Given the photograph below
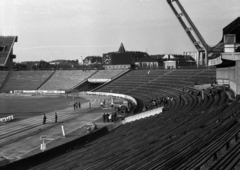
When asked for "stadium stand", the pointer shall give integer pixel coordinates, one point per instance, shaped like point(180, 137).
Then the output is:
point(131, 80)
point(106, 74)
point(26, 80)
point(147, 84)
point(63, 80)
point(191, 134)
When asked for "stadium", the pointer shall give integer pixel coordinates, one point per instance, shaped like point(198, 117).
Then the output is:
point(137, 112)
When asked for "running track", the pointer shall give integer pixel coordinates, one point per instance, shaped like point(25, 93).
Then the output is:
point(14, 131)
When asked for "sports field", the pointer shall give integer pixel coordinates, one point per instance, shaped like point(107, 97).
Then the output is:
point(23, 107)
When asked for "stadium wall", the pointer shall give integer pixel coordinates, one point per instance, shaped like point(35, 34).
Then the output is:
point(228, 76)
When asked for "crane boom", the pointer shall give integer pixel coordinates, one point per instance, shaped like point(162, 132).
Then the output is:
point(188, 30)
point(198, 42)
point(192, 25)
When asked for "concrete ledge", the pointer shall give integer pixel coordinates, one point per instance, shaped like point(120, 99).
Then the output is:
point(142, 115)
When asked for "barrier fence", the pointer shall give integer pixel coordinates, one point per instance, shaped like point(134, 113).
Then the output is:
point(6, 119)
point(39, 91)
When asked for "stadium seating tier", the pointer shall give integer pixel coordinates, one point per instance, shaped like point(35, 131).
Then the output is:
point(106, 74)
point(64, 80)
point(26, 80)
point(186, 136)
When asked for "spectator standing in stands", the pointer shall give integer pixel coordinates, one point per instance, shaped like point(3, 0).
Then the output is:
point(56, 117)
point(44, 118)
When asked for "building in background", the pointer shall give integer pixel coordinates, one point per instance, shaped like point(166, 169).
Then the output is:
point(123, 59)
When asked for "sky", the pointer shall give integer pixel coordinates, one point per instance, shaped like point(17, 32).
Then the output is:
point(73, 29)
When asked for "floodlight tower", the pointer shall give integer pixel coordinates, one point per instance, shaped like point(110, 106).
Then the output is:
point(204, 50)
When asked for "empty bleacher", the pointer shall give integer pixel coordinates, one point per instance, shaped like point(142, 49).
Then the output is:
point(147, 84)
point(26, 80)
point(106, 74)
point(63, 80)
point(132, 80)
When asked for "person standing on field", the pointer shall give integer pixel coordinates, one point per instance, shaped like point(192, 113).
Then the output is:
point(56, 117)
point(44, 118)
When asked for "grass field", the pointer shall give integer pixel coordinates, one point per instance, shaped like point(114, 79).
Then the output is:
point(27, 106)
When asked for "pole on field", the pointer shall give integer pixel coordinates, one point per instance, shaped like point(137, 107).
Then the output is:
point(63, 132)
point(43, 146)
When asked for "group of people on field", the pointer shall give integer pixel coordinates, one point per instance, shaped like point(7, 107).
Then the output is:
point(76, 105)
point(110, 117)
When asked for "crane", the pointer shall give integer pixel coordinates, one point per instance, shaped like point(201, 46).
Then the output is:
point(204, 50)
